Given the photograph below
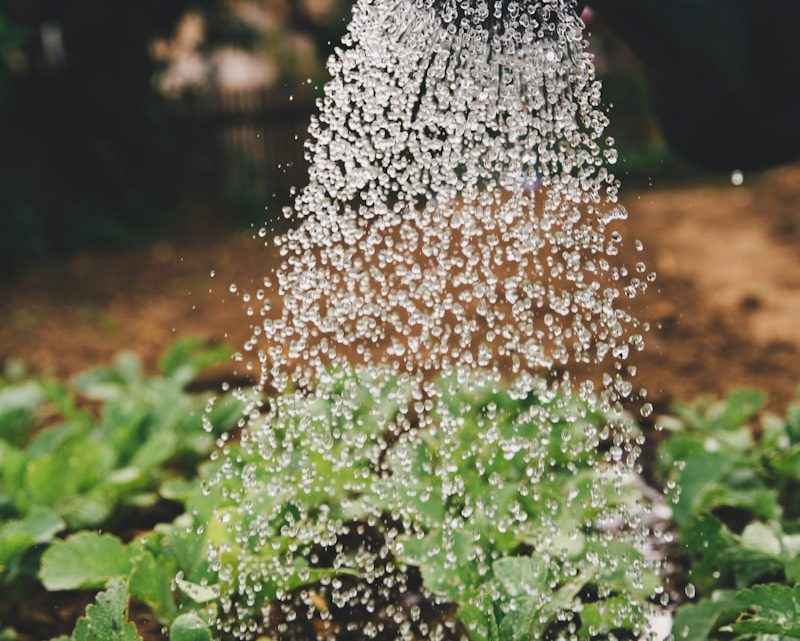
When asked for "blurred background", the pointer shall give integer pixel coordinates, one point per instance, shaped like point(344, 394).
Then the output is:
point(131, 122)
point(143, 144)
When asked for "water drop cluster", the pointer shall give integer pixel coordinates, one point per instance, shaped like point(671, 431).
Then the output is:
point(454, 339)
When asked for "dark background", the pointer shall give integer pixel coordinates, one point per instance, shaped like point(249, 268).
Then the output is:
point(106, 142)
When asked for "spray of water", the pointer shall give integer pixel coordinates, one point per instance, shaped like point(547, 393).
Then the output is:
point(454, 317)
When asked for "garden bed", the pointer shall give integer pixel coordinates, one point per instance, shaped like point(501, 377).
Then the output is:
point(724, 318)
point(80, 524)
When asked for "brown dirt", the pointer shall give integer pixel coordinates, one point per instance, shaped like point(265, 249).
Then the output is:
point(726, 314)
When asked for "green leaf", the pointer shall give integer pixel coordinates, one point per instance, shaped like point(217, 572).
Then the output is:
point(107, 618)
point(84, 561)
point(50, 440)
point(770, 609)
point(182, 549)
point(156, 450)
point(522, 575)
point(76, 466)
point(61, 397)
point(225, 412)
point(129, 367)
point(123, 426)
point(17, 405)
point(697, 621)
point(178, 489)
point(189, 356)
point(456, 579)
point(793, 423)
point(699, 471)
point(87, 510)
point(189, 627)
point(111, 383)
point(739, 407)
point(518, 623)
point(707, 415)
point(12, 470)
point(722, 478)
point(792, 570)
point(40, 525)
point(9, 634)
point(750, 565)
point(479, 620)
point(621, 569)
point(151, 583)
point(708, 542)
point(601, 617)
point(786, 463)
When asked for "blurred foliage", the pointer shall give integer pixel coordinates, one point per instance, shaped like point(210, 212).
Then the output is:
point(93, 156)
point(89, 155)
point(65, 466)
point(734, 474)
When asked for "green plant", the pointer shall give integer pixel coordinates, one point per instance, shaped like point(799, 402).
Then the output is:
point(252, 509)
point(514, 568)
point(473, 542)
point(166, 569)
point(65, 466)
point(736, 484)
point(178, 553)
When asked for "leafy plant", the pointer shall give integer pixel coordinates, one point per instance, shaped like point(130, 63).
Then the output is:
point(64, 466)
point(504, 592)
point(514, 563)
point(736, 485)
point(169, 569)
point(150, 568)
point(472, 543)
point(107, 618)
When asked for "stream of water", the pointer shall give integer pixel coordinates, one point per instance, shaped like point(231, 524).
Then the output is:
point(457, 245)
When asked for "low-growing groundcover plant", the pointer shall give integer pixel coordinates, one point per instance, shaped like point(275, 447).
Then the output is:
point(736, 514)
point(86, 455)
point(180, 570)
point(541, 552)
point(736, 483)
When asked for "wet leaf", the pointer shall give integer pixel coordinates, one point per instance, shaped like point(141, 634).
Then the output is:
point(107, 618)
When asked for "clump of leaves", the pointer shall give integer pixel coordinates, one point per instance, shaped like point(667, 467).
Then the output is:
point(166, 569)
point(66, 466)
point(516, 544)
point(107, 618)
point(524, 577)
point(175, 569)
point(735, 479)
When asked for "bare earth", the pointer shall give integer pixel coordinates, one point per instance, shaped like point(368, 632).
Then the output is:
point(727, 313)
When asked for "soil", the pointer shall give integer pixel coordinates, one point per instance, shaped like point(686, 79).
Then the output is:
point(725, 315)
point(726, 312)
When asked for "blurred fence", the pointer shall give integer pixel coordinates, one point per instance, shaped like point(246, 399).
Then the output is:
point(256, 140)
